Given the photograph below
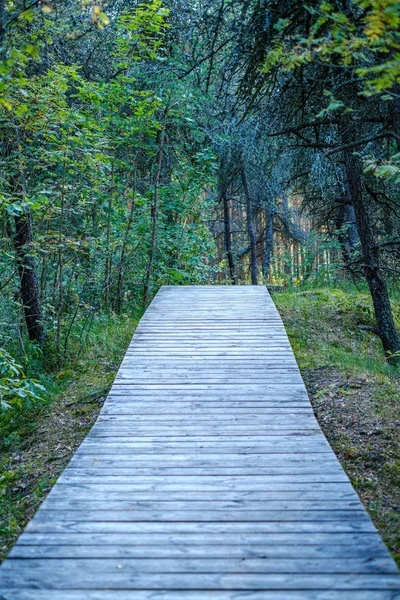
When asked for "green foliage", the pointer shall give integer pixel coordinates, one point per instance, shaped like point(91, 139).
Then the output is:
point(80, 160)
point(16, 389)
point(36, 442)
point(388, 170)
point(370, 40)
point(364, 41)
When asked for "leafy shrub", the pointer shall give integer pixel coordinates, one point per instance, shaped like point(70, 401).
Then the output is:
point(16, 389)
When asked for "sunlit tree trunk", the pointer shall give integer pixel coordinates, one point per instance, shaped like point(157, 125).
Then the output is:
point(228, 237)
point(269, 240)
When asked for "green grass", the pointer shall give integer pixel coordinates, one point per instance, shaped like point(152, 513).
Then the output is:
point(37, 442)
point(354, 392)
point(323, 327)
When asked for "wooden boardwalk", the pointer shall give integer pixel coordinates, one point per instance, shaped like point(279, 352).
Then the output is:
point(206, 476)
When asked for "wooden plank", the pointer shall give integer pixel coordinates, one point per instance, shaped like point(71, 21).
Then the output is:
point(213, 565)
point(202, 482)
point(331, 506)
point(120, 579)
point(52, 594)
point(241, 551)
point(177, 540)
point(205, 476)
point(253, 416)
point(40, 525)
point(312, 473)
point(132, 408)
point(114, 492)
point(209, 460)
point(105, 514)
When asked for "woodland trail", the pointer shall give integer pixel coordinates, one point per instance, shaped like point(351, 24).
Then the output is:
point(206, 475)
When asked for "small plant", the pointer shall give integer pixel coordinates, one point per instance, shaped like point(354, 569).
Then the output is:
point(16, 389)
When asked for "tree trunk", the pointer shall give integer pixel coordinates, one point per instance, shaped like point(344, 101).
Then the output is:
point(395, 106)
point(348, 239)
point(250, 227)
point(350, 220)
point(228, 237)
point(369, 248)
point(126, 236)
point(269, 240)
point(153, 245)
point(108, 264)
point(2, 21)
point(29, 285)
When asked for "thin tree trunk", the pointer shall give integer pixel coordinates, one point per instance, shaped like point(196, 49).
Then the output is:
point(250, 227)
point(60, 265)
point(269, 240)
point(2, 21)
point(155, 213)
point(228, 237)
point(348, 239)
point(29, 285)
point(344, 237)
point(369, 248)
point(126, 237)
point(395, 109)
point(107, 274)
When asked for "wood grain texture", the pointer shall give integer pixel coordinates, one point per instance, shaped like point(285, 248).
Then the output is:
point(205, 477)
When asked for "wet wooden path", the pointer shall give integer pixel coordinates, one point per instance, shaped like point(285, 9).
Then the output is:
point(206, 476)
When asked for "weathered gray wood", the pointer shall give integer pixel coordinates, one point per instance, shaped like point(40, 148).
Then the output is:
point(47, 594)
point(188, 514)
point(312, 473)
point(201, 482)
point(242, 551)
point(39, 526)
point(205, 477)
point(197, 409)
point(327, 506)
point(66, 578)
point(285, 423)
point(271, 460)
point(214, 565)
point(206, 539)
point(114, 492)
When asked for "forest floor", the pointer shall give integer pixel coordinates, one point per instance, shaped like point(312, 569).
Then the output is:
point(354, 392)
point(355, 396)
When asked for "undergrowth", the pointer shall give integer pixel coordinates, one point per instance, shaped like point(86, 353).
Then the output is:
point(38, 438)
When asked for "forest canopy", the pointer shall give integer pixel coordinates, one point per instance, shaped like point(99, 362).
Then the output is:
point(185, 142)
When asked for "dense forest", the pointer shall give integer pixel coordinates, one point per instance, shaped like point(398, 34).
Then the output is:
point(182, 142)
